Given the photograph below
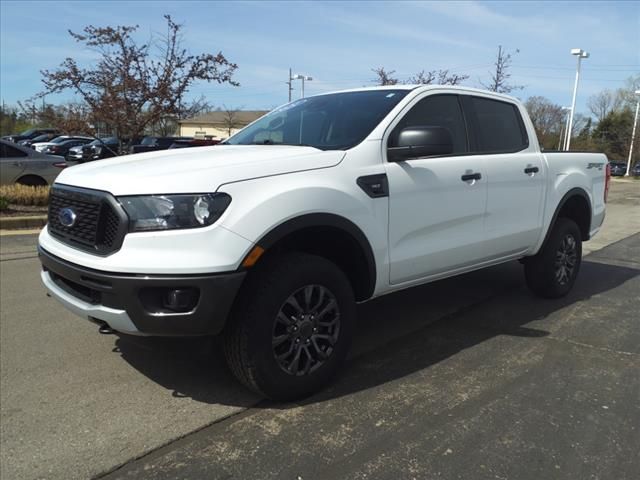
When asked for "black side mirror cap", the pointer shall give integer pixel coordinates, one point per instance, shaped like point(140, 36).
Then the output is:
point(421, 141)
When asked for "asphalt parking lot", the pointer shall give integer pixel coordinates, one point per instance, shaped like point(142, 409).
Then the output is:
point(471, 377)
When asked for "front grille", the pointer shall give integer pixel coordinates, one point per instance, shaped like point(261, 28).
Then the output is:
point(100, 223)
point(111, 225)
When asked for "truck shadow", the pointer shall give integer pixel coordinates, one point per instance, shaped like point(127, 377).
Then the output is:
point(397, 335)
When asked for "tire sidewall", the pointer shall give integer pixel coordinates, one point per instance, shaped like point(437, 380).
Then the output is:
point(542, 272)
point(270, 377)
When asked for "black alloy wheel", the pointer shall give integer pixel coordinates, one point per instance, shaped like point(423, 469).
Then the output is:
point(291, 326)
point(552, 272)
point(306, 330)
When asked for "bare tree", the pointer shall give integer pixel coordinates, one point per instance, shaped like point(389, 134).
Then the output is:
point(169, 124)
point(500, 77)
point(133, 86)
point(547, 119)
point(439, 77)
point(602, 103)
point(580, 121)
point(384, 77)
point(72, 117)
point(626, 96)
point(230, 119)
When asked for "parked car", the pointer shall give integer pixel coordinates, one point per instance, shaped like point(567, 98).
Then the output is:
point(31, 133)
point(62, 148)
point(24, 165)
point(618, 169)
point(151, 144)
point(635, 170)
point(271, 238)
point(194, 142)
point(45, 137)
point(96, 150)
point(40, 146)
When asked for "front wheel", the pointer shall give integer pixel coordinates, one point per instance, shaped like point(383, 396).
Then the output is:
point(292, 326)
point(553, 271)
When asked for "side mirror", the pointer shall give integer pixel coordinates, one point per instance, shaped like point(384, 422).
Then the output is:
point(422, 141)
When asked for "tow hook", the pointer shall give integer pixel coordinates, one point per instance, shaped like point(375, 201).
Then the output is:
point(106, 330)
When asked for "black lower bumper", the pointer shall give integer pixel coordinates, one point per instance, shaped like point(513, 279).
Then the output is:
point(203, 311)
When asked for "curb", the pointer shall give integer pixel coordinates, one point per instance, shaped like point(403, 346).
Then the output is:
point(14, 223)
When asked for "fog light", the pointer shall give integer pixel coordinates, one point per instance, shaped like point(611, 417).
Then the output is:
point(180, 299)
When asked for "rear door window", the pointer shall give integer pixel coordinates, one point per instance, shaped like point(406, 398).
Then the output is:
point(498, 125)
point(7, 151)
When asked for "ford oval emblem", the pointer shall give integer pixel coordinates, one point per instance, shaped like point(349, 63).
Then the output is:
point(67, 217)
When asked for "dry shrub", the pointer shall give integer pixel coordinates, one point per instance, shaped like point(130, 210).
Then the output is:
point(24, 195)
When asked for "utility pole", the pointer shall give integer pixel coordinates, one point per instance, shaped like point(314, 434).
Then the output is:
point(290, 86)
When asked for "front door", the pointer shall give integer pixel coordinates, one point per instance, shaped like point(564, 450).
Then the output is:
point(436, 210)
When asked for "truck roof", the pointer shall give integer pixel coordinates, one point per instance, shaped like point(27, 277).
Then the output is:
point(424, 88)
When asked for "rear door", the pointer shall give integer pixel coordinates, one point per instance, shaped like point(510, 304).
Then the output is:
point(436, 217)
point(515, 172)
point(12, 163)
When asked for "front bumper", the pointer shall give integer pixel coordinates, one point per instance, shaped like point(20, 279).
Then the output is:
point(133, 303)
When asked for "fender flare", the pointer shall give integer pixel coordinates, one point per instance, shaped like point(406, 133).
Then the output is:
point(325, 220)
point(576, 191)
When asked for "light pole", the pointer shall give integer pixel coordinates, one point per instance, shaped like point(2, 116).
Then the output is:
point(633, 134)
point(562, 140)
point(580, 54)
point(303, 78)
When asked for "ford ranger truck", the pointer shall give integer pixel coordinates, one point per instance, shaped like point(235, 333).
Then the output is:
point(271, 238)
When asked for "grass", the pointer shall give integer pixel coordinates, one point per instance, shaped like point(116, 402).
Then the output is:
point(23, 195)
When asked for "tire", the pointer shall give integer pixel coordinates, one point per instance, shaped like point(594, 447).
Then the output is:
point(292, 305)
point(553, 271)
point(32, 181)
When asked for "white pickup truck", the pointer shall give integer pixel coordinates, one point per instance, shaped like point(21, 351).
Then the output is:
point(271, 238)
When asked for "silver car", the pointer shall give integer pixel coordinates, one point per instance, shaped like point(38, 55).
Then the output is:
point(24, 165)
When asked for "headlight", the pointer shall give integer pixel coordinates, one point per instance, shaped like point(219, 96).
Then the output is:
point(167, 212)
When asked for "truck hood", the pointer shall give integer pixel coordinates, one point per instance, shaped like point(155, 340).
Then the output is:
point(195, 170)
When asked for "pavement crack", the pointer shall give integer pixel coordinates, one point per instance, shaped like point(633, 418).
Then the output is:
point(594, 347)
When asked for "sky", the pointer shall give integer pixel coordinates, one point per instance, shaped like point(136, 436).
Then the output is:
point(338, 43)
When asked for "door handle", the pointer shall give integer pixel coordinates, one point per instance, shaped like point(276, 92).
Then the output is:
point(470, 176)
point(529, 170)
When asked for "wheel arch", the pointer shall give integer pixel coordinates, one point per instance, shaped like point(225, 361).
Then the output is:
point(575, 205)
point(333, 237)
point(31, 179)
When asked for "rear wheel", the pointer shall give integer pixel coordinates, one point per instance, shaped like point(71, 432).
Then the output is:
point(292, 326)
point(553, 271)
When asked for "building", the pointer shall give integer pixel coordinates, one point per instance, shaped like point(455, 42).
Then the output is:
point(217, 124)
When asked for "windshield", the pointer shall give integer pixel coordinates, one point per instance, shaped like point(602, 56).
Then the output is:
point(336, 121)
point(103, 140)
point(26, 133)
